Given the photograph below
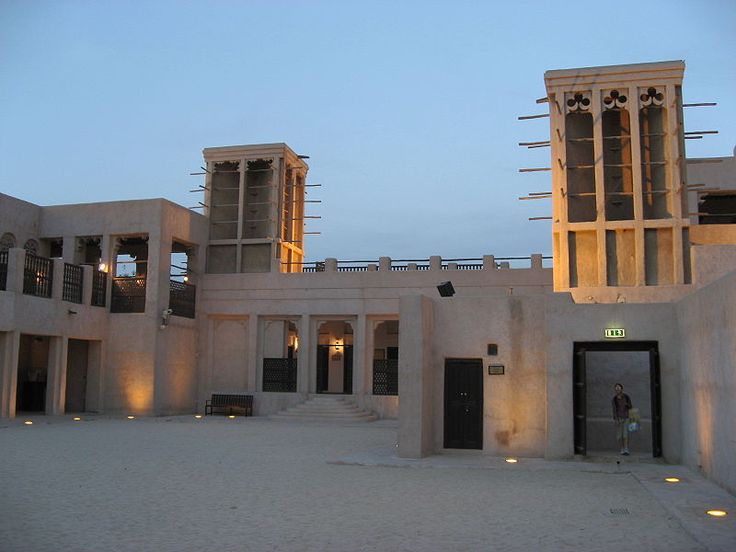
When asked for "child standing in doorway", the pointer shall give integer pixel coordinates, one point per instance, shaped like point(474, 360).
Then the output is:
point(621, 405)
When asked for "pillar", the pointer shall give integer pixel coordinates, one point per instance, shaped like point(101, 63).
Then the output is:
point(306, 351)
point(416, 377)
point(9, 352)
point(56, 382)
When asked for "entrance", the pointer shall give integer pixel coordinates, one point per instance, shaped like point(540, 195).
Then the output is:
point(33, 361)
point(335, 358)
point(463, 403)
point(597, 367)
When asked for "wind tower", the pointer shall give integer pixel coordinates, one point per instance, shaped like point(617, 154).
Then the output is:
point(254, 199)
point(619, 196)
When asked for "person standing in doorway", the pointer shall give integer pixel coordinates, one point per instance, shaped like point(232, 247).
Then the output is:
point(621, 404)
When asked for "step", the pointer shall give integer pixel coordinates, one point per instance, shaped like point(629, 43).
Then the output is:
point(326, 409)
point(282, 417)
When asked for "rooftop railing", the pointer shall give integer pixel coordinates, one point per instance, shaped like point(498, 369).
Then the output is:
point(488, 262)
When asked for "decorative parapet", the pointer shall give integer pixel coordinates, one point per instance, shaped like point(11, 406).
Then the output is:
point(434, 263)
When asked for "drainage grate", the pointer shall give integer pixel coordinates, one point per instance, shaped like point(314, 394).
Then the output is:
point(620, 511)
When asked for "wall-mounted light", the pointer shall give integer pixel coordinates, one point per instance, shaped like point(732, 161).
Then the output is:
point(446, 289)
point(102, 267)
point(165, 314)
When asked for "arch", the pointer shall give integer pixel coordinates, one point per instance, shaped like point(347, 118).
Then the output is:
point(7, 241)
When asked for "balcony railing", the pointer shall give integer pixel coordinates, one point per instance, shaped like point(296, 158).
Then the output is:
point(385, 377)
point(128, 295)
point(99, 288)
point(72, 286)
point(182, 299)
point(3, 270)
point(279, 375)
point(38, 275)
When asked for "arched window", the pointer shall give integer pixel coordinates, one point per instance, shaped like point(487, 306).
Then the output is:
point(31, 246)
point(7, 241)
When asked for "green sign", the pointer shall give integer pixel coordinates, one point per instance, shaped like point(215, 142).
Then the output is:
point(614, 333)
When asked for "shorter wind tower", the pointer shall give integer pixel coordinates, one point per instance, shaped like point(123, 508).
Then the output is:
point(254, 197)
point(620, 222)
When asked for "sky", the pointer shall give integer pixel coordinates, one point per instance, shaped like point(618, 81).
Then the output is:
point(408, 110)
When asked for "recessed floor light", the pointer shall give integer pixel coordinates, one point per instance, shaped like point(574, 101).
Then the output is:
point(231, 417)
point(131, 417)
point(672, 479)
point(28, 422)
point(717, 513)
point(198, 416)
point(77, 419)
point(511, 460)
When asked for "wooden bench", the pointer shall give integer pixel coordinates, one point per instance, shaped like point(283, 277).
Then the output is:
point(228, 402)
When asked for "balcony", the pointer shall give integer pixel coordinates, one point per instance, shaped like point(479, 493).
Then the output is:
point(73, 283)
point(38, 276)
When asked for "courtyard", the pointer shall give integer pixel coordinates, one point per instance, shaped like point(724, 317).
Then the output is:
point(180, 484)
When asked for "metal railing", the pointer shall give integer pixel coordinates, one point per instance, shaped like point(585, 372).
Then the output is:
point(128, 295)
point(72, 285)
point(3, 270)
point(99, 288)
point(279, 375)
point(182, 297)
point(38, 275)
point(385, 377)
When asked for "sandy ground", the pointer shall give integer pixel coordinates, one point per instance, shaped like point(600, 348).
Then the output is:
point(177, 484)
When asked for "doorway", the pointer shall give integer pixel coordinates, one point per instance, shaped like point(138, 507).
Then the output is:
point(597, 367)
point(463, 403)
point(335, 358)
point(76, 376)
point(33, 362)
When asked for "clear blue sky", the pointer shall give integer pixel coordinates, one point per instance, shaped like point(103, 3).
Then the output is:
point(407, 109)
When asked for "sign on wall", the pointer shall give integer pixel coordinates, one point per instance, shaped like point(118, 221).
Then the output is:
point(614, 333)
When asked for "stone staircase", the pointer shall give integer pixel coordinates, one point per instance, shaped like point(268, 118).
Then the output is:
point(326, 409)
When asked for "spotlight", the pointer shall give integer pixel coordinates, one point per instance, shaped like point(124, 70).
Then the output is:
point(198, 416)
point(446, 289)
point(672, 479)
point(717, 513)
point(77, 419)
point(131, 417)
point(511, 460)
point(231, 417)
point(28, 422)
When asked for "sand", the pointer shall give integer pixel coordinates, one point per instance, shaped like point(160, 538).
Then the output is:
point(178, 484)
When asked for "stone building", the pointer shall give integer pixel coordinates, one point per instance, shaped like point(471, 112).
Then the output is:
point(148, 308)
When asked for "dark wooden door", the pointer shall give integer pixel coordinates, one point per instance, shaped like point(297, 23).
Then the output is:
point(323, 368)
point(579, 406)
point(347, 370)
point(463, 403)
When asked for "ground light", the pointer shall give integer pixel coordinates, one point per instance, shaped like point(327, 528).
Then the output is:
point(231, 417)
point(28, 422)
point(77, 419)
point(717, 513)
point(511, 460)
point(672, 479)
point(131, 417)
point(198, 416)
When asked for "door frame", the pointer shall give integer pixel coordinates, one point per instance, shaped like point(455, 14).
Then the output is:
point(579, 388)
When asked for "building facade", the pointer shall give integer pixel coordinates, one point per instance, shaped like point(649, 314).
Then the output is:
point(148, 308)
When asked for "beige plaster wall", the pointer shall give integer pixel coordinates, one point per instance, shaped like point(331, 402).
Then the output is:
point(708, 347)
point(567, 323)
point(514, 404)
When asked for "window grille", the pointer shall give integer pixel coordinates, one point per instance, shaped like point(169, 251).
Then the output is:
point(38, 274)
point(72, 285)
point(279, 375)
point(99, 288)
point(128, 295)
point(182, 299)
point(385, 377)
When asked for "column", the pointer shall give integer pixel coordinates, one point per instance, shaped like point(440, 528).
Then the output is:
point(416, 377)
point(56, 382)
point(360, 360)
point(254, 370)
point(9, 352)
point(306, 352)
